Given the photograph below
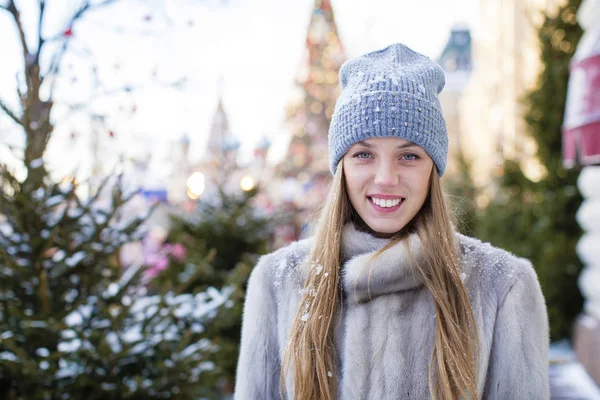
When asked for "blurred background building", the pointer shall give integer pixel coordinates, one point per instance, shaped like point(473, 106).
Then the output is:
point(581, 145)
point(506, 61)
point(457, 61)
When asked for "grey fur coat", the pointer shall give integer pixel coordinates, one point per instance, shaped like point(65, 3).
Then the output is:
point(384, 338)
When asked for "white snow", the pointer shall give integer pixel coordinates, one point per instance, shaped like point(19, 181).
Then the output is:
point(112, 290)
point(76, 317)
point(113, 341)
point(71, 295)
point(59, 256)
point(133, 335)
point(194, 348)
point(42, 352)
point(67, 369)
point(8, 356)
point(25, 247)
point(573, 375)
point(191, 310)
point(54, 200)
point(75, 212)
point(6, 335)
point(75, 258)
point(68, 334)
point(100, 218)
point(139, 348)
point(35, 324)
point(39, 193)
point(126, 301)
point(38, 162)
point(69, 347)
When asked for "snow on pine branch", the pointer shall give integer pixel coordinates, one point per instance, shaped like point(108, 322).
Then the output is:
point(175, 313)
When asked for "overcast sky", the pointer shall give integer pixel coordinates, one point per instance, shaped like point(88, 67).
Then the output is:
point(255, 45)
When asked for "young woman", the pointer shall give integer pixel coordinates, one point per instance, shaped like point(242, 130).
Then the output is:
point(386, 300)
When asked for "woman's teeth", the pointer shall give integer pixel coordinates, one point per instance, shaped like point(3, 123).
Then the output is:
point(386, 203)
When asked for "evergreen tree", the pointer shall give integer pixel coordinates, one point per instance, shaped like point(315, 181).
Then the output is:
point(74, 324)
point(77, 325)
point(462, 193)
point(309, 113)
point(537, 219)
point(218, 246)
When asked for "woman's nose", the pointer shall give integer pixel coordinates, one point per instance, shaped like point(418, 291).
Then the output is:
point(386, 175)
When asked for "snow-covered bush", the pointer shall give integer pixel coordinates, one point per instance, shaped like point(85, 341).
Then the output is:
point(74, 323)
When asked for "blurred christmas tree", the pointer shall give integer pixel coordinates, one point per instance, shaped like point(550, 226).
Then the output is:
point(74, 323)
point(462, 193)
point(309, 114)
point(537, 219)
point(218, 246)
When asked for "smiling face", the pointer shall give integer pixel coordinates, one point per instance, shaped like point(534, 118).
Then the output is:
point(387, 180)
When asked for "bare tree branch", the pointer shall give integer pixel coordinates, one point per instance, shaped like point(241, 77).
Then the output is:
point(89, 102)
point(12, 9)
point(10, 113)
point(86, 7)
point(55, 63)
point(40, 21)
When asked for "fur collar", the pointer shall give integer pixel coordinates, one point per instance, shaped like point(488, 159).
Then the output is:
point(389, 272)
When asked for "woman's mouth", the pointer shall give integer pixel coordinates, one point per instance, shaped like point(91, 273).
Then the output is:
point(387, 204)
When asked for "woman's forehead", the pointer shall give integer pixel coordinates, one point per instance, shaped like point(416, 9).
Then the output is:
point(385, 142)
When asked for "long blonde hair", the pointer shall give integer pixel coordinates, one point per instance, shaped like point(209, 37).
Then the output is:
point(310, 351)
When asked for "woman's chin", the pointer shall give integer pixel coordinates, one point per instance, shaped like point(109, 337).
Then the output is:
point(385, 229)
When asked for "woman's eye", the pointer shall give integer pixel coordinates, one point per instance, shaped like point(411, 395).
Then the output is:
point(410, 157)
point(362, 154)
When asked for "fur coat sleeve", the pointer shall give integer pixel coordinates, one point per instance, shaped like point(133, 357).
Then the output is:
point(259, 361)
point(518, 367)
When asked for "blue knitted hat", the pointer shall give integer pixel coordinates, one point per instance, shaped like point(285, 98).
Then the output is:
point(390, 93)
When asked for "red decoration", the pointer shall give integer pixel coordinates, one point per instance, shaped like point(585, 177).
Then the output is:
point(581, 127)
point(73, 135)
point(68, 32)
point(111, 134)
